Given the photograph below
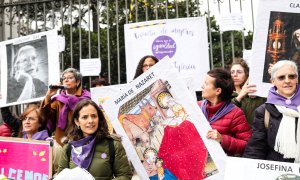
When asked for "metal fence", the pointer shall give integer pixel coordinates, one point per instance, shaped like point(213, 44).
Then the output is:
point(94, 28)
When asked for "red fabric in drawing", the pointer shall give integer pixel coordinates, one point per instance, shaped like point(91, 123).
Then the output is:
point(183, 151)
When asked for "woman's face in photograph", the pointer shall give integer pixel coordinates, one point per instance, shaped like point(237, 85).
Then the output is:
point(26, 61)
point(297, 34)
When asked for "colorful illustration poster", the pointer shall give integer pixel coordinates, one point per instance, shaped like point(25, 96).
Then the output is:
point(25, 159)
point(25, 66)
point(163, 129)
point(183, 40)
point(101, 94)
point(276, 37)
point(249, 169)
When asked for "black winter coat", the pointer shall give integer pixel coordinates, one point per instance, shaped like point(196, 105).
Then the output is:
point(262, 141)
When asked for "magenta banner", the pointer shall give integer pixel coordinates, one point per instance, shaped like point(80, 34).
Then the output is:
point(25, 159)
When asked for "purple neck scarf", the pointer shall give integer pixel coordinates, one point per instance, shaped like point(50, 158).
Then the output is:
point(224, 109)
point(69, 104)
point(277, 99)
point(83, 151)
point(41, 135)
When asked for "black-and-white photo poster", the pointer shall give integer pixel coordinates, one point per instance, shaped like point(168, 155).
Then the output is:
point(26, 63)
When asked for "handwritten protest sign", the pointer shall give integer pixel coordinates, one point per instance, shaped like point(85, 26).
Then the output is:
point(183, 41)
point(231, 22)
point(25, 159)
point(163, 129)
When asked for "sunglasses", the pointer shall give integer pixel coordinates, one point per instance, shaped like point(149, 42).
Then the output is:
point(289, 76)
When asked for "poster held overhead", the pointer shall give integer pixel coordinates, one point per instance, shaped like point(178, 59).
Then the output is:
point(276, 37)
point(26, 64)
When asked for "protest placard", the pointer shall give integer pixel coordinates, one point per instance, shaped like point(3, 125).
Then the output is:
point(90, 67)
point(163, 129)
point(184, 41)
point(276, 37)
point(25, 159)
point(25, 66)
point(249, 169)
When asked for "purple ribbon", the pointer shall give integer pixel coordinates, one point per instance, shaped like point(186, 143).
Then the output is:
point(224, 109)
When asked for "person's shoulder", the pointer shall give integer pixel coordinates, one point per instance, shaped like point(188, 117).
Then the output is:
point(117, 141)
point(236, 109)
point(237, 112)
point(114, 137)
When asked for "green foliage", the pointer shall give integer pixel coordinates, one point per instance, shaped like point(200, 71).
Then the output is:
point(111, 59)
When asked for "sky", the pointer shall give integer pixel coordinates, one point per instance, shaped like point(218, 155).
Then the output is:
point(237, 6)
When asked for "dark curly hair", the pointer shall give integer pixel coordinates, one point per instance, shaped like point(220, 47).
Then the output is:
point(139, 68)
point(75, 134)
point(224, 81)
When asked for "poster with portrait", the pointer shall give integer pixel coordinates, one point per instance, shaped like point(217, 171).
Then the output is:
point(183, 40)
point(276, 37)
point(163, 129)
point(26, 64)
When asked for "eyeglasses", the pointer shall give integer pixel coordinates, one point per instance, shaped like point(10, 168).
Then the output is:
point(289, 76)
point(147, 65)
point(29, 119)
point(67, 78)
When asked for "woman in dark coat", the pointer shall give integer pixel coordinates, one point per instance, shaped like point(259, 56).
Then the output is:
point(277, 137)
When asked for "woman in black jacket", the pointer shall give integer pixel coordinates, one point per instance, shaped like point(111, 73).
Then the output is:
point(276, 128)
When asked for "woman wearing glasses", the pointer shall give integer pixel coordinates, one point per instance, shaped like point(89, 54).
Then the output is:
point(276, 130)
point(30, 125)
point(58, 108)
point(33, 125)
point(144, 64)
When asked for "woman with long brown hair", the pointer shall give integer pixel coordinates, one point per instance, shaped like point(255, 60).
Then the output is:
point(91, 147)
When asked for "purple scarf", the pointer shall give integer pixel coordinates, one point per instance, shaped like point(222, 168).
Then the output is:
point(224, 109)
point(277, 99)
point(41, 135)
point(69, 104)
point(83, 151)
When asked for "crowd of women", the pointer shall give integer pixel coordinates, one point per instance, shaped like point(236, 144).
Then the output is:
point(243, 124)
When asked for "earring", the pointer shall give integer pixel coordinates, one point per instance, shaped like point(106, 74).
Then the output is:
point(78, 128)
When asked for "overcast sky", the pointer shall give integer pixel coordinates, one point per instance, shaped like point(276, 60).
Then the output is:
point(237, 6)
